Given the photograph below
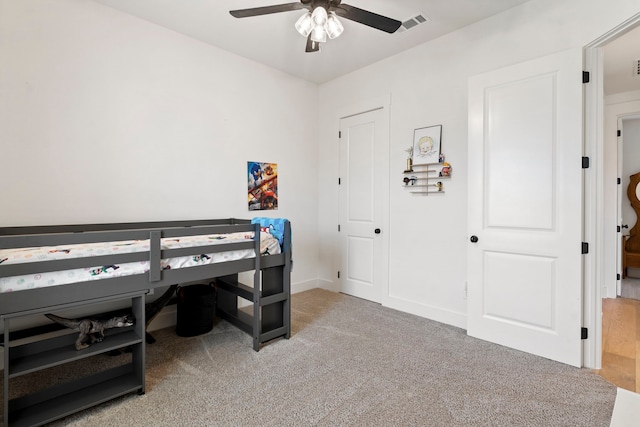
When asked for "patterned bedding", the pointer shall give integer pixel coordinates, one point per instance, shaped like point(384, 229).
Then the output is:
point(268, 245)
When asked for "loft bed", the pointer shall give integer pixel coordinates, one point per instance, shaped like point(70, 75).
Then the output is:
point(57, 238)
point(52, 268)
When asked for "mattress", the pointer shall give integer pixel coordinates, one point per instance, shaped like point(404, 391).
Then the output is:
point(269, 245)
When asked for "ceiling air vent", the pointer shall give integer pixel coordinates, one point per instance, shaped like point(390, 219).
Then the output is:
point(413, 22)
point(636, 68)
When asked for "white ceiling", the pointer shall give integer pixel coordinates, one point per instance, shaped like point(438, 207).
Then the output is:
point(273, 40)
point(619, 56)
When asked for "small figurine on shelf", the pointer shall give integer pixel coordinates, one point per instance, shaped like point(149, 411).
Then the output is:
point(411, 180)
point(439, 185)
point(410, 159)
point(446, 169)
point(441, 158)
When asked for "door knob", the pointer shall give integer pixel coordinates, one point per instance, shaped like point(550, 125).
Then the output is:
point(474, 239)
point(377, 231)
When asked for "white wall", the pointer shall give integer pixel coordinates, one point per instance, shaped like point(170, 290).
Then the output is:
point(108, 118)
point(427, 86)
point(94, 104)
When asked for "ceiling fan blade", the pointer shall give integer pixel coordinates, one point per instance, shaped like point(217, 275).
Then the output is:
point(266, 10)
point(365, 17)
point(311, 45)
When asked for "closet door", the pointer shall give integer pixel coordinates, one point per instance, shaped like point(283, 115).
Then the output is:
point(363, 196)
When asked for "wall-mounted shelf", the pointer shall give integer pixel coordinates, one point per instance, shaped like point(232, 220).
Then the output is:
point(427, 178)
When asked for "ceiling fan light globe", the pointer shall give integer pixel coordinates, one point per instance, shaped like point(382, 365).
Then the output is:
point(319, 15)
point(318, 34)
point(304, 25)
point(333, 27)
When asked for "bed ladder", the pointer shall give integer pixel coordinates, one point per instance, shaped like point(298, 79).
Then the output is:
point(269, 315)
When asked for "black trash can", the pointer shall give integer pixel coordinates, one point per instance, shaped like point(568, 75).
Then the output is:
point(196, 309)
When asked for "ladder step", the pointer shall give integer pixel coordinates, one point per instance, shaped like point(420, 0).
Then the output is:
point(275, 333)
point(273, 299)
point(236, 287)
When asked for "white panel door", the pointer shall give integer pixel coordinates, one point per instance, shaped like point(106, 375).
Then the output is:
point(525, 207)
point(362, 171)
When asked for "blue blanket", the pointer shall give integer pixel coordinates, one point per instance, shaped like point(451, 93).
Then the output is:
point(275, 226)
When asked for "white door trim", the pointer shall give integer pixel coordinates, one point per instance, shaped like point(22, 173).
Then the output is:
point(594, 193)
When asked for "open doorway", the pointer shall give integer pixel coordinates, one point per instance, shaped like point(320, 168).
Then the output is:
point(621, 104)
point(613, 97)
point(629, 165)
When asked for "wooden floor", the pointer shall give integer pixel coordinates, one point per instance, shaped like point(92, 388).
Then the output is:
point(621, 343)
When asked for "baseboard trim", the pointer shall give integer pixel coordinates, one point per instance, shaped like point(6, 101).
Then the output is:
point(304, 286)
point(428, 312)
point(328, 285)
point(165, 319)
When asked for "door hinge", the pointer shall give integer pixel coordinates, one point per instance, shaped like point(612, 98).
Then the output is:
point(338, 274)
point(339, 134)
point(619, 181)
point(585, 248)
point(585, 77)
point(584, 333)
point(339, 181)
point(618, 228)
point(338, 228)
point(585, 162)
point(619, 132)
point(618, 276)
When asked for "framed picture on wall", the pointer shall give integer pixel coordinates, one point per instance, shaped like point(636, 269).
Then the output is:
point(262, 187)
point(426, 145)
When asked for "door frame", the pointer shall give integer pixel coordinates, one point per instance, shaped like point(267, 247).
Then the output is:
point(594, 231)
point(619, 196)
point(365, 106)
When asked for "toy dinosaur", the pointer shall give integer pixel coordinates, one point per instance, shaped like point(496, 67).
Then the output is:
point(91, 330)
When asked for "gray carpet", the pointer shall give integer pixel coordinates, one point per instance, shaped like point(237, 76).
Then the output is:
point(630, 288)
point(350, 362)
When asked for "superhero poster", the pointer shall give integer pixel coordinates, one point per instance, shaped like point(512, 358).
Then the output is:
point(262, 186)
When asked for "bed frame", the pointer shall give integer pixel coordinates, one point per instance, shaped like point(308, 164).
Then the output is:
point(268, 318)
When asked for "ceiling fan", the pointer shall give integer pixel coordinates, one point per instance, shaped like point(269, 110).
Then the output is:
point(320, 21)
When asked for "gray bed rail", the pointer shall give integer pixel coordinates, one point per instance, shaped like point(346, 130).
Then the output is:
point(32, 299)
